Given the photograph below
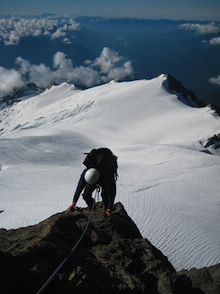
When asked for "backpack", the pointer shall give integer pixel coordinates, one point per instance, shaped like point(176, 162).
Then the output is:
point(102, 159)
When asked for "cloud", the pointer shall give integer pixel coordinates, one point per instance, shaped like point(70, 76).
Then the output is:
point(215, 80)
point(119, 73)
point(58, 34)
point(63, 71)
point(66, 41)
point(11, 30)
point(210, 28)
point(215, 41)
point(108, 66)
point(73, 25)
point(9, 80)
point(107, 60)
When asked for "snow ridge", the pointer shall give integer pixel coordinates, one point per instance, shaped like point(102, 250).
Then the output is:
point(168, 182)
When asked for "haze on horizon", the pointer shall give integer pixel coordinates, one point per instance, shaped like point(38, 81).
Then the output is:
point(198, 10)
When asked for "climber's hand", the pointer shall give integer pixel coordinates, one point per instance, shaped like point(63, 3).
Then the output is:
point(72, 207)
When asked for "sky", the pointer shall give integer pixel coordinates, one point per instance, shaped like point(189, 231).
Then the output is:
point(152, 9)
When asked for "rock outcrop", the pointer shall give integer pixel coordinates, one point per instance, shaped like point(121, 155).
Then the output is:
point(215, 141)
point(187, 96)
point(184, 95)
point(205, 279)
point(15, 96)
point(112, 257)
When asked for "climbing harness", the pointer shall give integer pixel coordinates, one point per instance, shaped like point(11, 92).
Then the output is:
point(73, 249)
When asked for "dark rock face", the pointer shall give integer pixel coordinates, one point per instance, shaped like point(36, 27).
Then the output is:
point(111, 258)
point(186, 96)
point(15, 96)
point(215, 141)
point(206, 279)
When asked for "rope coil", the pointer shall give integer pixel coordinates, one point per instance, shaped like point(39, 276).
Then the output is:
point(72, 250)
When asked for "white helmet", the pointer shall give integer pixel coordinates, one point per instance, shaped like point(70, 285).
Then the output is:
point(92, 176)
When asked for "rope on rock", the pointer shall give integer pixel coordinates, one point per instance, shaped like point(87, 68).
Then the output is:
point(72, 250)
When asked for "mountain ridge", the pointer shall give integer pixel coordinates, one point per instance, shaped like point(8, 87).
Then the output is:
point(112, 258)
point(171, 85)
point(165, 172)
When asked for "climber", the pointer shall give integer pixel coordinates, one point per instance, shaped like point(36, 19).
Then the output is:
point(101, 169)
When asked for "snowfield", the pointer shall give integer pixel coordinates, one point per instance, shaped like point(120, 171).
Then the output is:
point(168, 182)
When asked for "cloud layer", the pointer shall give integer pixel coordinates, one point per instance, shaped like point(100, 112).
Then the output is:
point(106, 67)
point(11, 30)
point(203, 29)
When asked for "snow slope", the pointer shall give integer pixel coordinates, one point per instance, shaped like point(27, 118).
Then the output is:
point(168, 182)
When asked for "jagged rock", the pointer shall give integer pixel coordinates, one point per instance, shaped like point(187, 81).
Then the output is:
point(15, 96)
point(112, 257)
point(215, 140)
point(216, 108)
point(51, 84)
point(206, 279)
point(186, 96)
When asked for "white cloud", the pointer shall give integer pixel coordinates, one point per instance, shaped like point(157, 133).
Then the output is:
point(13, 38)
point(119, 73)
point(9, 79)
point(58, 34)
point(215, 80)
point(215, 41)
point(39, 74)
point(73, 25)
point(67, 41)
point(11, 30)
point(210, 28)
point(107, 60)
point(88, 61)
point(84, 76)
point(24, 65)
point(61, 62)
point(107, 64)
point(46, 33)
point(106, 67)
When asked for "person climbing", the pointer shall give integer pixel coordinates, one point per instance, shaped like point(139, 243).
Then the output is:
point(105, 164)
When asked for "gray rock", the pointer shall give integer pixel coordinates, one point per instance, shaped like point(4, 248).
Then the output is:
point(112, 257)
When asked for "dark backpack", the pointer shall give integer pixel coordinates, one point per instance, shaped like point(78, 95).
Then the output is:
point(103, 159)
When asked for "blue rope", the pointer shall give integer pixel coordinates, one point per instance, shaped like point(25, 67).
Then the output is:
point(71, 252)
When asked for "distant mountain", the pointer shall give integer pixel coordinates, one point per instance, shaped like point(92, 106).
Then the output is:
point(29, 90)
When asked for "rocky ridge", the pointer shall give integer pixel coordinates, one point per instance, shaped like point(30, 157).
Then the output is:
point(111, 258)
point(16, 95)
point(187, 96)
point(184, 95)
